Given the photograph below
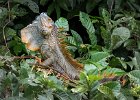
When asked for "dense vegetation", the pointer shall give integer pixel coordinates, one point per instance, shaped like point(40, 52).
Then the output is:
point(105, 37)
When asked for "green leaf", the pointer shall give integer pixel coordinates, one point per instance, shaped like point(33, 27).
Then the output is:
point(43, 2)
point(42, 97)
point(18, 11)
point(107, 18)
point(49, 95)
point(71, 40)
point(117, 4)
point(62, 95)
point(106, 36)
point(107, 91)
point(135, 76)
point(53, 82)
point(119, 36)
point(62, 24)
point(50, 9)
point(77, 38)
point(129, 44)
point(31, 4)
point(63, 4)
point(88, 67)
point(1, 63)
point(10, 33)
point(91, 4)
point(2, 75)
point(3, 12)
point(58, 11)
point(115, 71)
point(17, 48)
point(137, 55)
point(115, 87)
point(97, 56)
point(86, 22)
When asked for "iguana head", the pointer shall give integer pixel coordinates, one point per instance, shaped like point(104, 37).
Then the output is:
point(45, 23)
point(31, 35)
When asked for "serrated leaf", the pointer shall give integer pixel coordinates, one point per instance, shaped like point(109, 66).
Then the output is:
point(86, 22)
point(62, 24)
point(119, 36)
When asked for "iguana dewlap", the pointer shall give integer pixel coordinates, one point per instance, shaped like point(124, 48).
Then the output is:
point(42, 35)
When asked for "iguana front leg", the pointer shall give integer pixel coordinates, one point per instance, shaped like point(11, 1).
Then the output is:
point(47, 52)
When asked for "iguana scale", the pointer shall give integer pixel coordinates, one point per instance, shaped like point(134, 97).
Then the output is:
point(42, 35)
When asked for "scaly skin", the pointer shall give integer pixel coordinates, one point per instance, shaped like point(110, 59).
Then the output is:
point(44, 30)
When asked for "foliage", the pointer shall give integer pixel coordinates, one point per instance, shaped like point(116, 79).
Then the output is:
point(111, 57)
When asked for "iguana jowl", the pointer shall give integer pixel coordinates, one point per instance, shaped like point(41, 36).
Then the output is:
point(42, 35)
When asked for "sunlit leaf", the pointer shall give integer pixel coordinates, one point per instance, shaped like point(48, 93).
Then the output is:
point(62, 24)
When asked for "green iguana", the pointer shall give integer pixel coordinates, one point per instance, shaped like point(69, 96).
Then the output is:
point(42, 35)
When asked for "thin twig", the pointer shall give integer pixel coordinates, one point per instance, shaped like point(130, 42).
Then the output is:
point(9, 20)
point(112, 3)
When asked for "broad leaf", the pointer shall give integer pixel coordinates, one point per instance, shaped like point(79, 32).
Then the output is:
point(107, 91)
point(135, 76)
point(115, 71)
point(119, 36)
point(31, 4)
point(97, 56)
point(86, 22)
point(62, 24)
